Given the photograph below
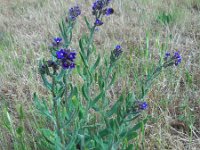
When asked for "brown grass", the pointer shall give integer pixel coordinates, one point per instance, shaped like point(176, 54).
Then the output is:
point(29, 25)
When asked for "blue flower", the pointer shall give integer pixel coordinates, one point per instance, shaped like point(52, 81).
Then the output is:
point(71, 56)
point(98, 5)
point(117, 51)
point(143, 105)
point(66, 64)
point(57, 40)
point(177, 58)
point(167, 54)
point(74, 12)
point(109, 11)
point(67, 58)
point(98, 22)
point(60, 54)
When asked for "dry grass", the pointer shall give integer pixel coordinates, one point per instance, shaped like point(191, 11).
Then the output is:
point(27, 26)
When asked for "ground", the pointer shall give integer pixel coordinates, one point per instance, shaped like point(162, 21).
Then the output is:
point(28, 26)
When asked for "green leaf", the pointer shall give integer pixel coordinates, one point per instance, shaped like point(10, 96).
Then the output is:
point(46, 82)
point(20, 130)
point(96, 99)
point(115, 107)
point(87, 23)
point(42, 106)
point(21, 112)
point(139, 125)
point(104, 132)
point(80, 73)
point(84, 60)
point(101, 82)
point(130, 147)
point(96, 64)
point(75, 101)
point(48, 135)
point(81, 113)
point(81, 46)
point(63, 30)
point(60, 75)
point(131, 135)
point(114, 124)
point(85, 92)
point(60, 92)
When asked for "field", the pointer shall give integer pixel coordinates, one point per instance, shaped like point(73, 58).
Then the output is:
point(27, 28)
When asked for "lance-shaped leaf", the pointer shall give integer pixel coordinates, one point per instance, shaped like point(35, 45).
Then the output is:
point(48, 135)
point(63, 30)
point(81, 47)
point(104, 132)
point(42, 106)
point(85, 92)
point(101, 82)
point(114, 125)
point(80, 72)
point(60, 75)
point(60, 92)
point(95, 64)
point(46, 82)
point(96, 99)
point(130, 147)
point(84, 59)
point(87, 23)
point(129, 134)
point(115, 107)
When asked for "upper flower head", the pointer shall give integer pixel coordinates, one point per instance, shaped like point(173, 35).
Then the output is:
point(74, 12)
point(117, 51)
point(98, 5)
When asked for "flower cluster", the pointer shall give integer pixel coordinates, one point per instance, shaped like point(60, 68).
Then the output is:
point(98, 5)
point(117, 51)
point(67, 58)
point(115, 54)
point(99, 8)
point(74, 12)
point(175, 59)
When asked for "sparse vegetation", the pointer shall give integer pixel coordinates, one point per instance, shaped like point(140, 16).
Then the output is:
point(145, 29)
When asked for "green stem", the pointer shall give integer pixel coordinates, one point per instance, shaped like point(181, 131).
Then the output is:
point(91, 37)
point(56, 109)
point(149, 81)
